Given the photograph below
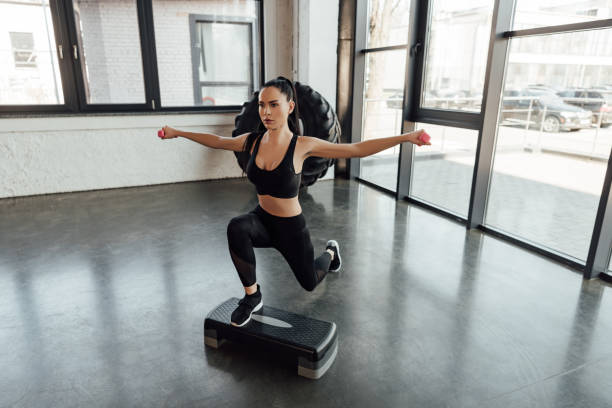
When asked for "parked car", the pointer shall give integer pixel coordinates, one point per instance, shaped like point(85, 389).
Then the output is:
point(606, 92)
point(453, 99)
point(544, 88)
point(593, 100)
point(448, 98)
point(543, 109)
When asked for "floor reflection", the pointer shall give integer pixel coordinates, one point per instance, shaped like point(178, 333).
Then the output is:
point(104, 294)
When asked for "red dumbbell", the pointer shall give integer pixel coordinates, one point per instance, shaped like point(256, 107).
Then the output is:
point(424, 137)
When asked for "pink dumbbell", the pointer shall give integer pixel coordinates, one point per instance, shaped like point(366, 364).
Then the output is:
point(160, 133)
point(424, 137)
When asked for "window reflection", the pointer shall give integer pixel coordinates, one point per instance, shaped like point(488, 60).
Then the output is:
point(456, 54)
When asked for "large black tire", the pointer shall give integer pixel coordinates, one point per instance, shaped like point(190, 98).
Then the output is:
point(318, 119)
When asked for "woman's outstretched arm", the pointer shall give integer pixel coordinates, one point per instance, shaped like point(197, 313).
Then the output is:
point(321, 148)
point(207, 139)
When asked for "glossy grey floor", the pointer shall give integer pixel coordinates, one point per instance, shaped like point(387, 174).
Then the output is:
point(103, 296)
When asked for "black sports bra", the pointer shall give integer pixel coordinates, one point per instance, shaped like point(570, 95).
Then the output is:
point(280, 182)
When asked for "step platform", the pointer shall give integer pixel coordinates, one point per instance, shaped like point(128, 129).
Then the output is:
point(313, 342)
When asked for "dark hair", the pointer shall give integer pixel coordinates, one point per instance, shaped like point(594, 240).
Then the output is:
point(286, 87)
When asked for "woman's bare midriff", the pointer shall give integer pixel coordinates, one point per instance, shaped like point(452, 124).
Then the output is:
point(280, 207)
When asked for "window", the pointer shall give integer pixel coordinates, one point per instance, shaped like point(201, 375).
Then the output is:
point(456, 54)
point(442, 173)
point(29, 65)
point(553, 142)
point(387, 23)
point(449, 75)
point(384, 73)
point(208, 53)
point(23, 49)
point(382, 114)
point(542, 13)
point(528, 166)
point(224, 62)
point(384, 79)
point(109, 51)
point(589, 12)
point(129, 55)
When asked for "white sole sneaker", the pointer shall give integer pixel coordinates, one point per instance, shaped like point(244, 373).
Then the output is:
point(333, 242)
point(256, 308)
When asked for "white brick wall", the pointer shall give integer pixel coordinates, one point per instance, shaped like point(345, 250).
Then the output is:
point(54, 154)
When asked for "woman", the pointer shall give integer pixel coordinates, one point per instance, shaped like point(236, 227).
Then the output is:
point(277, 153)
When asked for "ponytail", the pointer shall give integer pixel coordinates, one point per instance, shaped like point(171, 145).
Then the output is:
point(294, 117)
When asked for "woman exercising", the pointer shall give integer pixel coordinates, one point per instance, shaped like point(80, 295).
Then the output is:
point(277, 153)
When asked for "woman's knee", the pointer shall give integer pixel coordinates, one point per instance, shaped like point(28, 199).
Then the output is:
point(308, 284)
point(237, 228)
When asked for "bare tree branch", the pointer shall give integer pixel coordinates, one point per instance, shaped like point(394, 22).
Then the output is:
point(397, 3)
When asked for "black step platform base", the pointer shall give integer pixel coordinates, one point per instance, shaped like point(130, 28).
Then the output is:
point(314, 342)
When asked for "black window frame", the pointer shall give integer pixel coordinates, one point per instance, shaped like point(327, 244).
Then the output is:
point(194, 19)
point(485, 122)
point(73, 83)
point(415, 112)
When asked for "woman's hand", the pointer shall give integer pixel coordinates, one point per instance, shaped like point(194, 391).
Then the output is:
point(419, 137)
point(167, 133)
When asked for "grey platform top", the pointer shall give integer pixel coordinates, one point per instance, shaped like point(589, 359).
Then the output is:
point(279, 325)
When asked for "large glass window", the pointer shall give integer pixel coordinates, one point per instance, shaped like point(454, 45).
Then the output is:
point(109, 43)
point(207, 52)
point(442, 173)
point(541, 13)
point(542, 164)
point(553, 140)
point(456, 54)
point(225, 66)
point(29, 70)
point(382, 114)
point(128, 55)
point(384, 80)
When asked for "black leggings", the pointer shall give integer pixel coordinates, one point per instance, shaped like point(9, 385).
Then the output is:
point(289, 235)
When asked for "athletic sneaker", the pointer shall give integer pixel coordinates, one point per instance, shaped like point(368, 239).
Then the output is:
point(336, 263)
point(246, 306)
